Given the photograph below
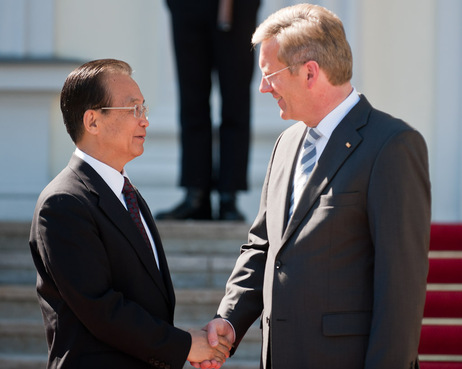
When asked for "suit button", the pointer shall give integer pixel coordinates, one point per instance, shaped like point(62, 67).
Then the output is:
point(278, 264)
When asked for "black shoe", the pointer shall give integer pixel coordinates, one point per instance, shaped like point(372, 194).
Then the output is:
point(196, 205)
point(228, 209)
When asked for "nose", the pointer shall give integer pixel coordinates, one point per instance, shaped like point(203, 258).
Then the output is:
point(144, 121)
point(265, 86)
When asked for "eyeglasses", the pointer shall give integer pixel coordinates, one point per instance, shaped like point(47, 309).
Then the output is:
point(138, 110)
point(267, 77)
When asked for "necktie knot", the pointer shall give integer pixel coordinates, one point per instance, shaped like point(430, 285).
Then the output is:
point(308, 155)
point(127, 186)
point(313, 135)
point(130, 197)
point(304, 166)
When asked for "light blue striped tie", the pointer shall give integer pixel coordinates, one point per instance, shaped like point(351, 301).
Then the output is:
point(304, 167)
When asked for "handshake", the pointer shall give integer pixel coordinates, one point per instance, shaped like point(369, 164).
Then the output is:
point(210, 346)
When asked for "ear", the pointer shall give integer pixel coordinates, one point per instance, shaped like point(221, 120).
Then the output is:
point(90, 121)
point(312, 71)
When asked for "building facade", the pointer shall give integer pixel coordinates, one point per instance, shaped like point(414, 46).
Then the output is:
point(407, 58)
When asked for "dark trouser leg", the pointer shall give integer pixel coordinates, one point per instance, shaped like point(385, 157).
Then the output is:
point(194, 61)
point(235, 63)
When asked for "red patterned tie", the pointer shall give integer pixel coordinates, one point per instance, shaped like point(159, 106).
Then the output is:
point(132, 205)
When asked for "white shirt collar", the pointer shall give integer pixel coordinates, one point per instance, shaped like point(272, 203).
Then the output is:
point(332, 120)
point(113, 178)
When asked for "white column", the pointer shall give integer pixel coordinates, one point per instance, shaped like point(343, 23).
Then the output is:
point(26, 28)
point(12, 28)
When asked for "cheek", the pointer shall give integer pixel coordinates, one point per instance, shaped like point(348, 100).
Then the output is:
point(112, 130)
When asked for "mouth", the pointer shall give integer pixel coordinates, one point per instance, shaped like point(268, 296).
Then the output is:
point(277, 97)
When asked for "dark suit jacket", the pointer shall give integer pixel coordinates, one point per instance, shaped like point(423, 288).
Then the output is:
point(343, 284)
point(103, 300)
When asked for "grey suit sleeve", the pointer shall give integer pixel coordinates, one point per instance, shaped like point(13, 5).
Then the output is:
point(399, 216)
point(243, 301)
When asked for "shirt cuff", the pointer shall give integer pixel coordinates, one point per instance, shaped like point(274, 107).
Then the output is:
point(234, 331)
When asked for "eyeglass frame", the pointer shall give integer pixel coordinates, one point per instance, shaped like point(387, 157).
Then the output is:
point(266, 77)
point(143, 109)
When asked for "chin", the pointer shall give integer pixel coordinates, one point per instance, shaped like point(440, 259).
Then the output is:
point(284, 116)
point(137, 153)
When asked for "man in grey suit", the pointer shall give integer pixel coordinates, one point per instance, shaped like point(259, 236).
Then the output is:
point(102, 276)
point(337, 258)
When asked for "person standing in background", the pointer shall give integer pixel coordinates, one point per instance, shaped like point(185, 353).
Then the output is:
point(213, 36)
point(337, 258)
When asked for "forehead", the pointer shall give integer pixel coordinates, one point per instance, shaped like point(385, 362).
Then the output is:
point(123, 89)
point(268, 59)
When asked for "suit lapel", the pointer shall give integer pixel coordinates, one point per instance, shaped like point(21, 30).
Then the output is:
point(120, 217)
point(342, 143)
point(282, 174)
point(122, 220)
point(163, 265)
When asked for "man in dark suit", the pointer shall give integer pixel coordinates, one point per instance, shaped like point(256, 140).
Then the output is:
point(102, 277)
point(337, 258)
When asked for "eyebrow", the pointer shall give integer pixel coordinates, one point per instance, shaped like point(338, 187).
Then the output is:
point(134, 101)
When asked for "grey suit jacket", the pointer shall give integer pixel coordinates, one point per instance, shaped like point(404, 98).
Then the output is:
point(342, 283)
point(103, 299)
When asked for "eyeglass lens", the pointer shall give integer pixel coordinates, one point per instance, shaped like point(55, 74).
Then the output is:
point(140, 110)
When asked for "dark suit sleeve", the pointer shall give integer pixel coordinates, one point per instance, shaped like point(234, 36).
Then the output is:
point(399, 217)
point(78, 278)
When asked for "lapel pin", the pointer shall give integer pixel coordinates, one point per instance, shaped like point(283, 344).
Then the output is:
point(348, 144)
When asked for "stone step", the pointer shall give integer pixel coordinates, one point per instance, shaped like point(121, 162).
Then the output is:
point(194, 307)
point(200, 254)
point(22, 331)
point(23, 346)
point(200, 269)
point(14, 236)
point(185, 237)
point(13, 361)
point(23, 361)
point(19, 302)
point(21, 337)
point(17, 267)
point(187, 271)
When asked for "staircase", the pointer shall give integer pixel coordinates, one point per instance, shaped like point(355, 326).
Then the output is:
point(441, 338)
point(201, 256)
